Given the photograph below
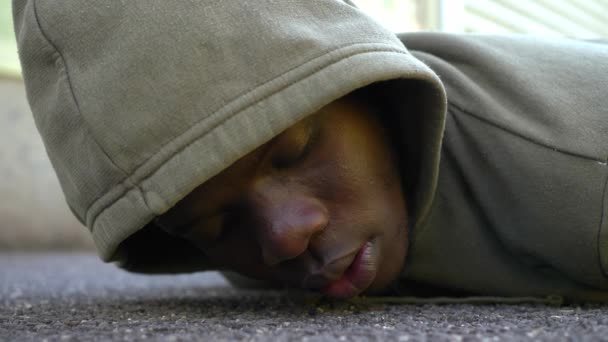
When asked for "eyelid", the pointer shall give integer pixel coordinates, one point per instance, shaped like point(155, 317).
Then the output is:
point(313, 135)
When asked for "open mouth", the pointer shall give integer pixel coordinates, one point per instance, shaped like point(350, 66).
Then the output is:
point(357, 277)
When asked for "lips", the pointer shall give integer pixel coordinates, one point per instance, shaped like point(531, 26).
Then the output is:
point(357, 277)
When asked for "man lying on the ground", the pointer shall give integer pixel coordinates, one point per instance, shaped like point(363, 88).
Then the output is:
point(301, 144)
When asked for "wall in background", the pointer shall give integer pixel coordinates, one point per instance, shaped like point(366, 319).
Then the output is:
point(584, 19)
point(33, 212)
point(9, 62)
point(402, 15)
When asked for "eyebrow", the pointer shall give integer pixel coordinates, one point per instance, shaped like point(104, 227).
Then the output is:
point(314, 130)
point(184, 228)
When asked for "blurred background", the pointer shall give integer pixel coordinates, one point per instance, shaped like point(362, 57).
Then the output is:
point(585, 19)
point(33, 213)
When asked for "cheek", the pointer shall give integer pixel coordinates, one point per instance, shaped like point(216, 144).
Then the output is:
point(349, 194)
point(355, 178)
point(359, 186)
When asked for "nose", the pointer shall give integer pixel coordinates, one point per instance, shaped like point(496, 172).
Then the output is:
point(286, 220)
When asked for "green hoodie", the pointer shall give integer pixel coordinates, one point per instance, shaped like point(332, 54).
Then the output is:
point(140, 102)
point(522, 201)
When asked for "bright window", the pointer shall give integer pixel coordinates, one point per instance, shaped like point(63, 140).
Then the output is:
point(555, 18)
point(9, 63)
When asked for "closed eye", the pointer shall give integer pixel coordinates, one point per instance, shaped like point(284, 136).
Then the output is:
point(292, 155)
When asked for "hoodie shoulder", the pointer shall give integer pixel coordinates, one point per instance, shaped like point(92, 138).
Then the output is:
point(523, 178)
point(551, 91)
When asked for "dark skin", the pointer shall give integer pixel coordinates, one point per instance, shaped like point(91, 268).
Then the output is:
point(320, 206)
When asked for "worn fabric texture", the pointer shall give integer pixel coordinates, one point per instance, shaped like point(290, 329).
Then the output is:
point(521, 206)
point(140, 103)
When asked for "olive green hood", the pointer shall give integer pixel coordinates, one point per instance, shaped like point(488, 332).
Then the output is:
point(139, 102)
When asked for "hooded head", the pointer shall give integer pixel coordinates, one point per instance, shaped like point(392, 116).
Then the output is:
point(140, 103)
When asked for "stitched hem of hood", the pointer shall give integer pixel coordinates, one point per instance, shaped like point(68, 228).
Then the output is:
point(125, 209)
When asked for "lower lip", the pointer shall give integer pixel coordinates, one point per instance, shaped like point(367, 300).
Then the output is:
point(357, 277)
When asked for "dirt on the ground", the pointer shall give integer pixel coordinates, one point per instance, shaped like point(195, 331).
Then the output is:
point(75, 297)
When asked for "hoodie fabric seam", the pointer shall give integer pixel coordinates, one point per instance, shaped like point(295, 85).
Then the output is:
point(520, 135)
point(65, 70)
point(134, 183)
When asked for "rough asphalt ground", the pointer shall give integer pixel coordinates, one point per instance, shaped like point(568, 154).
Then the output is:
point(75, 297)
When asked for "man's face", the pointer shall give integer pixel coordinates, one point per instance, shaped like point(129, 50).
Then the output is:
point(320, 207)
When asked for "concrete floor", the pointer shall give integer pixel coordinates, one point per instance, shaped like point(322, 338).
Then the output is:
point(75, 297)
